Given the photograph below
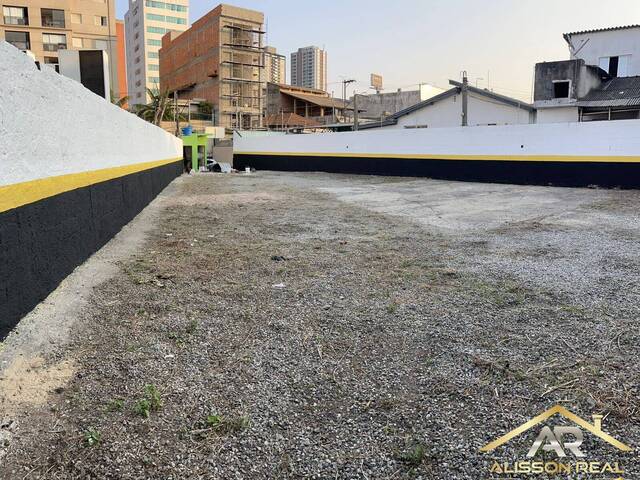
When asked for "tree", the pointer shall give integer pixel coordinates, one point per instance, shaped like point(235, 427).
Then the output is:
point(122, 102)
point(205, 108)
point(158, 109)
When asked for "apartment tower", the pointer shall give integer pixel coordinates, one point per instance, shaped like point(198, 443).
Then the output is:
point(275, 66)
point(146, 22)
point(44, 27)
point(219, 60)
point(309, 68)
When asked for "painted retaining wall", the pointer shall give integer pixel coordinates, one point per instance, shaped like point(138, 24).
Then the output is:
point(564, 154)
point(73, 170)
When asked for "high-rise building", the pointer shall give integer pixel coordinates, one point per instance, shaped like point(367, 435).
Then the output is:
point(309, 68)
point(146, 22)
point(36, 26)
point(275, 66)
point(219, 60)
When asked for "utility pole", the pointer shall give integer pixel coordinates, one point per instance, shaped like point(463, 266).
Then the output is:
point(333, 109)
point(355, 111)
point(175, 112)
point(465, 99)
point(344, 94)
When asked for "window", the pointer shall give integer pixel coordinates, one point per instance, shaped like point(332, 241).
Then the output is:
point(156, 30)
point(153, 16)
point(76, 18)
point(15, 15)
point(561, 88)
point(19, 40)
point(101, 44)
point(52, 42)
point(180, 21)
point(154, 42)
point(154, 68)
point(615, 66)
point(100, 21)
point(76, 42)
point(166, 6)
point(154, 80)
point(153, 55)
point(52, 18)
point(53, 62)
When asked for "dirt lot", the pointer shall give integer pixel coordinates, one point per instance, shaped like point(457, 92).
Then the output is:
point(322, 326)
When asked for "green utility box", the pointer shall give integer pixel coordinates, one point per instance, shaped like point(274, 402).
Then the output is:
point(194, 150)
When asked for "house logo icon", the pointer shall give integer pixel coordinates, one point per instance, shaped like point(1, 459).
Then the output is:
point(563, 440)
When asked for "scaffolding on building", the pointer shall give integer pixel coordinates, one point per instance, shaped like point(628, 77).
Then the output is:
point(242, 77)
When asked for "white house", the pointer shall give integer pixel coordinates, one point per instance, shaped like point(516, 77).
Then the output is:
point(601, 80)
point(615, 50)
point(445, 110)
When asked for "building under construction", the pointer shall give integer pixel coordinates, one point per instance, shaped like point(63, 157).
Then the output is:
point(220, 60)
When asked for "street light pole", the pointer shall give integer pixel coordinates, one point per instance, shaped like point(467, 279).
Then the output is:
point(465, 99)
point(344, 94)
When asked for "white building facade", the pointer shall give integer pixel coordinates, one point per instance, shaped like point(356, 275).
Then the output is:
point(616, 50)
point(275, 66)
point(484, 108)
point(146, 22)
point(600, 81)
point(309, 68)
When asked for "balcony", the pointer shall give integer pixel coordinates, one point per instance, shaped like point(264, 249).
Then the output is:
point(53, 23)
point(53, 18)
point(20, 40)
point(16, 20)
point(54, 47)
point(21, 45)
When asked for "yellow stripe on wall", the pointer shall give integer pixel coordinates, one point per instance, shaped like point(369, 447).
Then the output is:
point(19, 194)
point(504, 158)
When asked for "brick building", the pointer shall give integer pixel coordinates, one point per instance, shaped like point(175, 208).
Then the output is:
point(219, 60)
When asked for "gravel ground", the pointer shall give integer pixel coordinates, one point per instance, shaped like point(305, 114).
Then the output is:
point(296, 326)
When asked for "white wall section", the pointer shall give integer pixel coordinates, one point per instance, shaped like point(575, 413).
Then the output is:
point(589, 139)
point(88, 133)
point(593, 47)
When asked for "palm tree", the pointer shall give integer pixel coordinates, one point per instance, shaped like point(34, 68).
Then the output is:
point(122, 102)
point(158, 109)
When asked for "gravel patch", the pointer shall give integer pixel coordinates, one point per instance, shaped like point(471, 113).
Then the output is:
point(286, 332)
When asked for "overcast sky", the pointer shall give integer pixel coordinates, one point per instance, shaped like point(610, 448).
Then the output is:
point(430, 41)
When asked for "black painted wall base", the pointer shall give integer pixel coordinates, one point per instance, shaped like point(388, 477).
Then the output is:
point(42, 242)
point(565, 174)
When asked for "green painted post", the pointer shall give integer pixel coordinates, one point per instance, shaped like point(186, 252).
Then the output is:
point(196, 140)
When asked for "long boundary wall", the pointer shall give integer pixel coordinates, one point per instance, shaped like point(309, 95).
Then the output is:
point(564, 154)
point(74, 169)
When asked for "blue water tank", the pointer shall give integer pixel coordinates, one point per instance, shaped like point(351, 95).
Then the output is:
point(188, 130)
